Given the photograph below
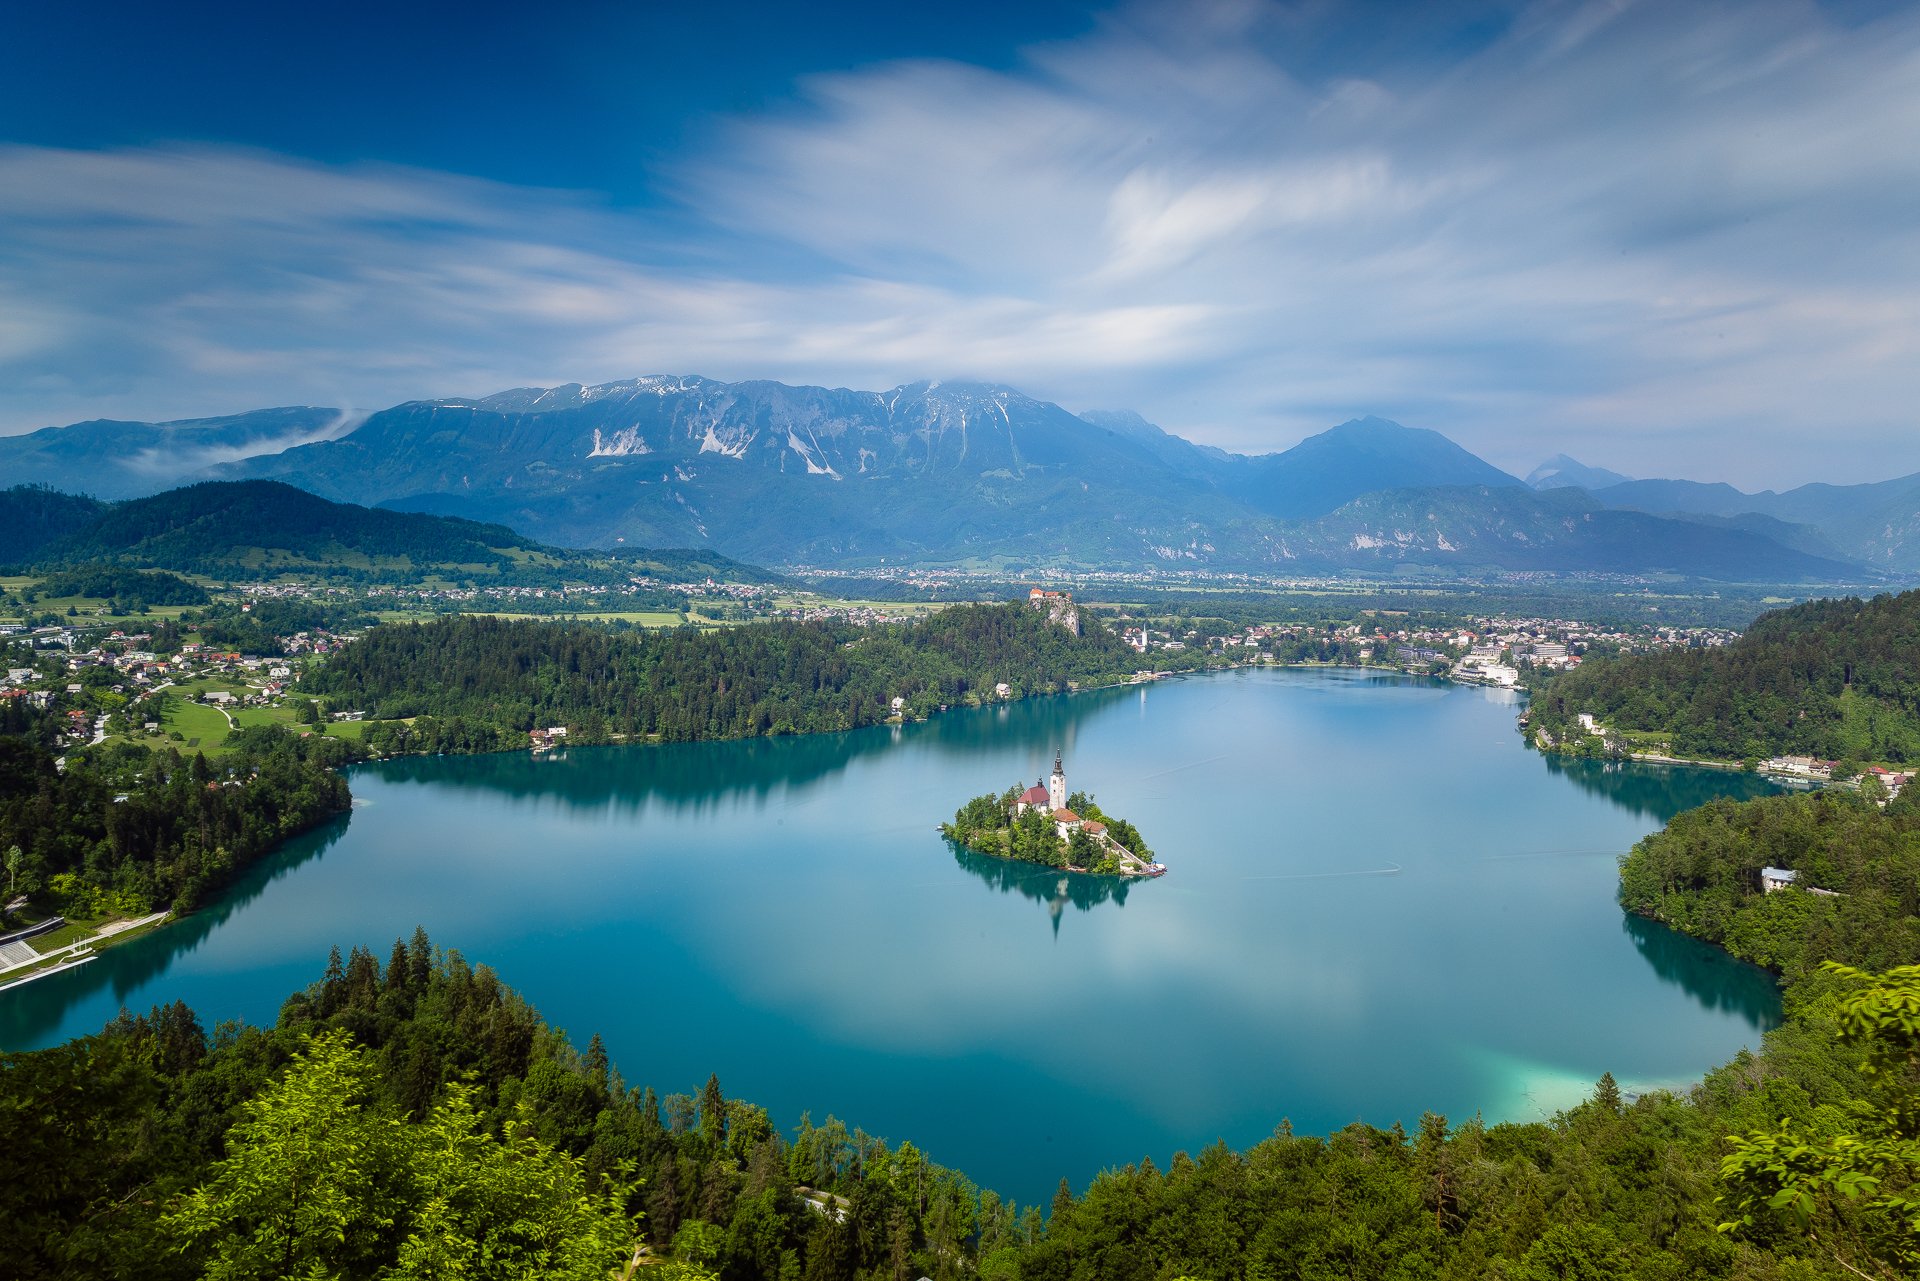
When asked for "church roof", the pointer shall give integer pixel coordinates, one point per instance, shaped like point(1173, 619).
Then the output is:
point(1035, 795)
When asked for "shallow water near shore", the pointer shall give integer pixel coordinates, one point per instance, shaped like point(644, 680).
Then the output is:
point(1379, 903)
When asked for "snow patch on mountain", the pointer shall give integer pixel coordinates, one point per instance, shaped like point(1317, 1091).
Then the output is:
point(801, 448)
point(732, 443)
point(621, 444)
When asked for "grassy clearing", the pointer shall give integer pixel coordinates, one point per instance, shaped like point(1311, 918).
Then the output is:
point(72, 932)
point(194, 721)
point(355, 730)
point(264, 716)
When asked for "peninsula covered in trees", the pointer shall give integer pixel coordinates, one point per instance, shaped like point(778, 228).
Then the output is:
point(1045, 824)
point(485, 682)
point(1832, 679)
point(135, 830)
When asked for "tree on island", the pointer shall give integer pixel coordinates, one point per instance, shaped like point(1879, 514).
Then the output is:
point(1000, 827)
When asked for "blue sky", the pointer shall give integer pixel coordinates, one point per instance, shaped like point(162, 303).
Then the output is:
point(1669, 238)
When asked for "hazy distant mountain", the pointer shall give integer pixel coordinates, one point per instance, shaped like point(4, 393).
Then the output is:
point(932, 472)
point(1562, 472)
point(1177, 451)
point(112, 459)
point(1362, 456)
point(1511, 527)
point(1877, 524)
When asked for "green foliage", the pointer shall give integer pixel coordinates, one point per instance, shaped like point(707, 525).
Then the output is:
point(218, 525)
point(128, 589)
point(493, 679)
point(309, 1184)
point(33, 516)
point(988, 825)
point(1806, 1174)
point(1701, 875)
point(139, 830)
point(260, 628)
point(418, 1120)
point(1830, 678)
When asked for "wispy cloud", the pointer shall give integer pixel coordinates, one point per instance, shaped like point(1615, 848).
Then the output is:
point(1669, 238)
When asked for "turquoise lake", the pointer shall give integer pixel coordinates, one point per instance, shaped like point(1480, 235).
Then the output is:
point(1379, 903)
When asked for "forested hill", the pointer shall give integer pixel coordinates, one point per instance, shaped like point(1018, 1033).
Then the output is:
point(252, 528)
point(217, 526)
point(32, 516)
point(1834, 679)
point(1701, 875)
point(775, 678)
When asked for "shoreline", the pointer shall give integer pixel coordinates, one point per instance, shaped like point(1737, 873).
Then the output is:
point(1069, 869)
point(72, 956)
point(1040, 869)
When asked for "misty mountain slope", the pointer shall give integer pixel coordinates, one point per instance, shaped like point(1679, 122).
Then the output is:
point(1800, 538)
point(1556, 529)
point(1562, 472)
point(112, 459)
point(1877, 524)
point(1176, 451)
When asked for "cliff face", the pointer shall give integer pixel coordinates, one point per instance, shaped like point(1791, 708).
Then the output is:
point(1060, 609)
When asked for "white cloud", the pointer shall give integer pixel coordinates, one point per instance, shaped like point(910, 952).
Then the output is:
point(1668, 239)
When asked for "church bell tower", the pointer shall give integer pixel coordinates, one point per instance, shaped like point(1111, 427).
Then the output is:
point(1057, 785)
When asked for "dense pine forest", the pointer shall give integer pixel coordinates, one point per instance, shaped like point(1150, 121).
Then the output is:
point(1834, 679)
point(416, 1119)
point(484, 682)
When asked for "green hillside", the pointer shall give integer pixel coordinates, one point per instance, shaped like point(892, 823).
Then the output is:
point(260, 528)
point(219, 526)
point(1835, 679)
point(33, 516)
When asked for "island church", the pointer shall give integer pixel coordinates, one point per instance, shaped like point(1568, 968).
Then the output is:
point(1050, 798)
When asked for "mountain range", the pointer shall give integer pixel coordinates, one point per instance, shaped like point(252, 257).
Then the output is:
point(967, 472)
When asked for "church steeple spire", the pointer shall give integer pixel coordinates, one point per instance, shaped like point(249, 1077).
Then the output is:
point(1057, 785)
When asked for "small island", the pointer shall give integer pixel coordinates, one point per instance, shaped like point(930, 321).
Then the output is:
point(1044, 824)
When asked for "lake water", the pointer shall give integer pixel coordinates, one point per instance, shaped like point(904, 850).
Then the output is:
point(1379, 903)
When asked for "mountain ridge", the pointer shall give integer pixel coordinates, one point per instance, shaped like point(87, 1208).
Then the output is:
point(962, 472)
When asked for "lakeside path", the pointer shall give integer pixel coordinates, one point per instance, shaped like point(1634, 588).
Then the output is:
point(66, 958)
